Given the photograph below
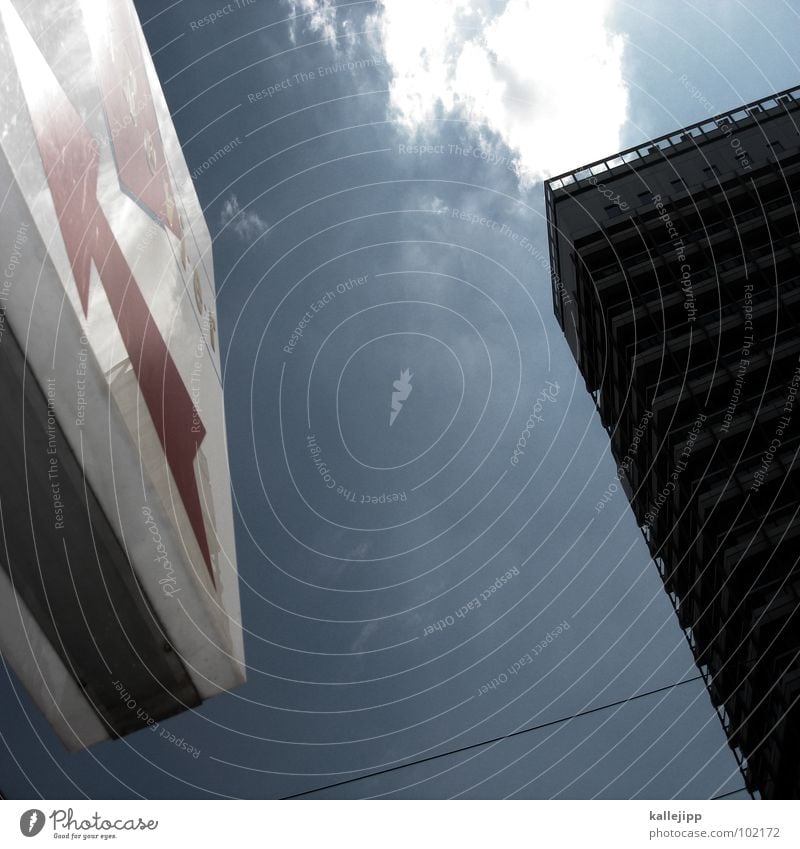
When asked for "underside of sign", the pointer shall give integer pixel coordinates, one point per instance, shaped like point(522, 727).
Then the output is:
point(119, 602)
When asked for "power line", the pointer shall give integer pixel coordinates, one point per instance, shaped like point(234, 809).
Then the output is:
point(492, 740)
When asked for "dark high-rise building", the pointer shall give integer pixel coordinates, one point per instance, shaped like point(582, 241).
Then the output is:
point(676, 280)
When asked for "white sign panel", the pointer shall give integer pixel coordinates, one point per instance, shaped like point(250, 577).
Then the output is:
point(109, 293)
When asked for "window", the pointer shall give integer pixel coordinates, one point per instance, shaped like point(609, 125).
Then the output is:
point(677, 185)
point(613, 211)
point(711, 171)
point(776, 146)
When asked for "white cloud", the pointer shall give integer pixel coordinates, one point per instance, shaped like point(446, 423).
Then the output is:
point(360, 551)
point(545, 76)
point(247, 225)
point(318, 16)
point(364, 636)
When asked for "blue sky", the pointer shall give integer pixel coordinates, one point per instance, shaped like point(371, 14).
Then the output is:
point(382, 200)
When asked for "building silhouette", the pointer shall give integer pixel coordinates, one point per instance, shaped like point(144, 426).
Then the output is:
point(676, 280)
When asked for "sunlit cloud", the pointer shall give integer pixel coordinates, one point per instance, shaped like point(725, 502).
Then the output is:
point(317, 16)
point(544, 77)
